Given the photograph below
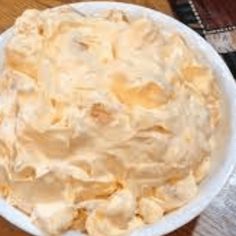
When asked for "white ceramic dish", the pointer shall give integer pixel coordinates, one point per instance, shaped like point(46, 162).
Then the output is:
point(221, 167)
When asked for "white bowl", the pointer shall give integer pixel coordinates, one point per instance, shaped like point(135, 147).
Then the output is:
point(222, 166)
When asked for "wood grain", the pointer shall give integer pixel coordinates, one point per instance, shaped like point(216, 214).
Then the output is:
point(219, 219)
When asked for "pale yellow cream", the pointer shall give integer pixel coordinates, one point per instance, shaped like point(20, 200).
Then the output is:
point(106, 122)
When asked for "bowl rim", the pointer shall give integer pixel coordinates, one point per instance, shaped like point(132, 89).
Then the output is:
point(185, 214)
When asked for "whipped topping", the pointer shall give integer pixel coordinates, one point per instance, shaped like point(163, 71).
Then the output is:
point(106, 122)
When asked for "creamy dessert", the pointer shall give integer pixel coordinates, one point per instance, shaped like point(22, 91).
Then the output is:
point(107, 122)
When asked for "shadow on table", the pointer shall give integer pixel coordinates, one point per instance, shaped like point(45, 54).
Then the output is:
point(186, 230)
point(7, 229)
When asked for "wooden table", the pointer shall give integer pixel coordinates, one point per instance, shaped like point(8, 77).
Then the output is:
point(219, 219)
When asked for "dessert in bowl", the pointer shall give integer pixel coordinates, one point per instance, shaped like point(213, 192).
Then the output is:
point(115, 120)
